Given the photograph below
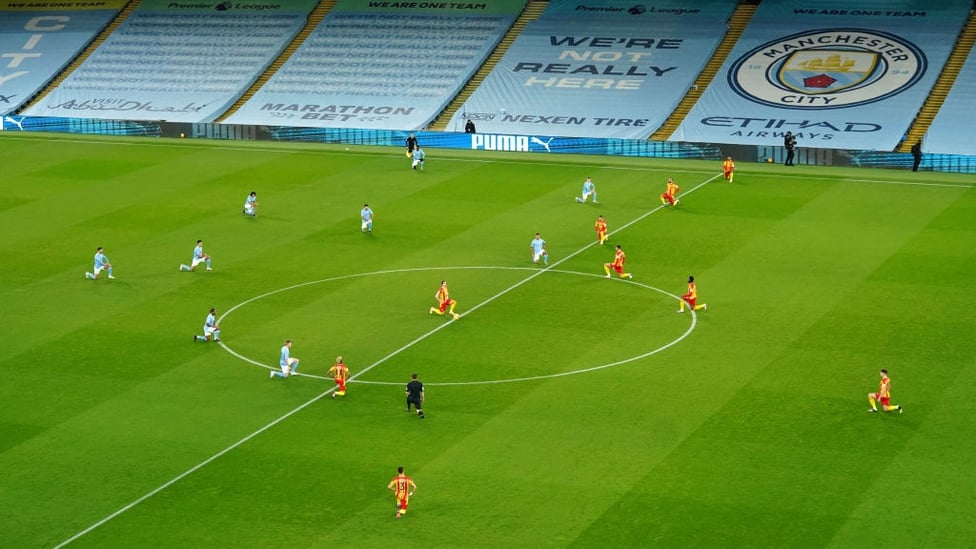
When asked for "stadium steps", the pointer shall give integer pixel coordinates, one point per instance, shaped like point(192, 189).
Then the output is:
point(123, 14)
point(533, 9)
point(314, 18)
point(737, 23)
point(926, 114)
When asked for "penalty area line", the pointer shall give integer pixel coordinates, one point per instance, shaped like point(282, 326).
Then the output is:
point(330, 390)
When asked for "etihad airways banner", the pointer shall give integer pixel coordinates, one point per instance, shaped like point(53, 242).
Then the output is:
point(36, 45)
point(842, 74)
point(598, 68)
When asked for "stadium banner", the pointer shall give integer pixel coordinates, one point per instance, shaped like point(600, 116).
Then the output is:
point(228, 7)
point(36, 46)
point(454, 7)
point(836, 73)
point(68, 6)
point(399, 80)
point(952, 129)
point(621, 78)
point(487, 143)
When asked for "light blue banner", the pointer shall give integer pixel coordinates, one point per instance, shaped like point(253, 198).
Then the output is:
point(37, 46)
point(601, 69)
point(374, 70)
point(838, 74)
point(952, 130)
point(167, 67)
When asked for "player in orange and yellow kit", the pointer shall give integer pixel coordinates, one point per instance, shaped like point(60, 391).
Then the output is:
point(670, 195)
point(403, 487)
point(728, 169)
point(340, 373)
point(445, 303)
point(691, 298)
point(601, 229)
point(618, 264)
point(884, 395)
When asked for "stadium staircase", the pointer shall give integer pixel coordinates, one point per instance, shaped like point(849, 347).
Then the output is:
point(737, 23)
point(84, 55)
point(533, 9)
point(314, 18)
point(923, 120)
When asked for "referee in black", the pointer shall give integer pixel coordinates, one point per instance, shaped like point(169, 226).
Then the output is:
point(415, 395)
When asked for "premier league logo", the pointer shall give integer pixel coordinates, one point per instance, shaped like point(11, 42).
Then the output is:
point(828, 69)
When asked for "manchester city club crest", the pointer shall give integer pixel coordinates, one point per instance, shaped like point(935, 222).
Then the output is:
point(828, 69)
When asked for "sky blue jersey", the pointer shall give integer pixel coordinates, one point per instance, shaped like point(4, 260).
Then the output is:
point(100, 260)
point(538, 244)
point(285, 353)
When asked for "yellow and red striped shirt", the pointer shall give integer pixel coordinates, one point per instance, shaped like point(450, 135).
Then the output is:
point(402, 485)
point(619, 259)
point(339, 371)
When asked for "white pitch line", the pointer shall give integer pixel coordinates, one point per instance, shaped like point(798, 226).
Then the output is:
point(321, 395)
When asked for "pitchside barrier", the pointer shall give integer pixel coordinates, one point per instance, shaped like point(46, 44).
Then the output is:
point(525, 143)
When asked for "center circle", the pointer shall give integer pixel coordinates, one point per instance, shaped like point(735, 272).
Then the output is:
point(675, 341)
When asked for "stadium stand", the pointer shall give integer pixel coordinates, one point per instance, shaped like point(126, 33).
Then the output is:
point(175, 62)
point(951, 129)
point(37, 45)
point(598, 68)
point(370, 65)
point(838, 74)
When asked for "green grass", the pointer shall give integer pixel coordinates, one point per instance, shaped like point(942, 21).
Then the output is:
point(749, 431)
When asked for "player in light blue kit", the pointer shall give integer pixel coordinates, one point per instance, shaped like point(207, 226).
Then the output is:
point(210, 328)
point(366, 215)
point(198, 258)
point(418, 159)
point(589, 189)
point(289, 365)
point(538, 246)
point(251, 205)
point(101, 264)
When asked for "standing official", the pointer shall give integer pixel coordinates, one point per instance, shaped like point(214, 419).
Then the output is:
point(789, 142)
point(415, 395)
point(916, 155)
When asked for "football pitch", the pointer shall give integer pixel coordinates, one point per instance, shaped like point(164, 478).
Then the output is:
point(563, 409)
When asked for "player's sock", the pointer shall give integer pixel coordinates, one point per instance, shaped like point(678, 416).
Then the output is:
point(276, 373)
point(700, 307)
point(294, 368)
point(545, 259)
point(89, 276)
point(208, 264)
point(594, 198)
point(607, 270)
point(874, 404)
point(216, 335)
point(109, 271)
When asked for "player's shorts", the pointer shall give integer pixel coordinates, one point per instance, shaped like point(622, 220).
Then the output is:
point(689, 300)
point(97, 270)
point(537, 255)
point(197, 260)
point(366, 224)
point(415, 401)
point(588, 194)
point(287, 368)
point(446, 304)
point(402, 502)
point(600, 235)
point(618, 268)
point(885, 400)
point(417, 163)
point(209, 330)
